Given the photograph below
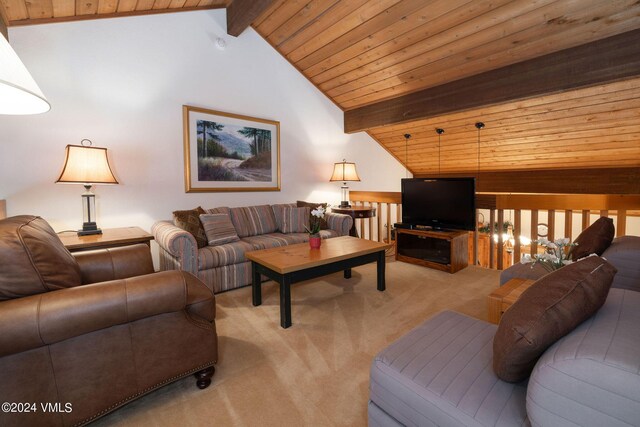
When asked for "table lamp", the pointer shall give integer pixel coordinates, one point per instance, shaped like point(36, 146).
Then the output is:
point(344, 171)
point(87, 165)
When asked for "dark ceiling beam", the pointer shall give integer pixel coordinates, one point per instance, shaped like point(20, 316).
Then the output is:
point(599, 62)
point(558, 181)
point(241, 13)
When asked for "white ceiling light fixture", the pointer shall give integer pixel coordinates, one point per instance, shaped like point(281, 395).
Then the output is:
point(19, 93)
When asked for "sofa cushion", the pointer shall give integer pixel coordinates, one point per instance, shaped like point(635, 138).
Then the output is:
point(594, 239)
point(624, 254)
point(552, 307)
point(440, 374)
point(253, 220)
point(34, 258)
point(591, 377)
point(274, 240)
point(222, 255)
point(219, 229)
point(189, 220)
point(295, 220)
point(312, 206)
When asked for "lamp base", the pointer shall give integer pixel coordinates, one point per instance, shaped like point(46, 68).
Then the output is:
point(344, 204)
point(89, 228)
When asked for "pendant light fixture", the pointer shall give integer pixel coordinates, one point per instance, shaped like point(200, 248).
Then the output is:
point(479, 126)
point(406, 154)
point(439, 131)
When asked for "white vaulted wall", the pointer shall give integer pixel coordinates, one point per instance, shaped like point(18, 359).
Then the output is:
point(122, 82)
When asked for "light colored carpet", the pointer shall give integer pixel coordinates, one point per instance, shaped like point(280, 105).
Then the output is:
point(315, 373)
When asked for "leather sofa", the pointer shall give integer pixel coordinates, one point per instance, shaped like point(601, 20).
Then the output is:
point(441, 372)
point(81, 335)
point(225, 267)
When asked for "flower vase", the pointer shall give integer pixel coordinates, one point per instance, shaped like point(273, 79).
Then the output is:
point(315, 242)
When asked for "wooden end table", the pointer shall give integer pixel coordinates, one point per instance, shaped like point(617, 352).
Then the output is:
point(356, 212)
point(503, 297)
point(294, 263)
point(110, 238)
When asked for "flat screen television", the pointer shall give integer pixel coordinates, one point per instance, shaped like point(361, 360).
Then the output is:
point(439, 203)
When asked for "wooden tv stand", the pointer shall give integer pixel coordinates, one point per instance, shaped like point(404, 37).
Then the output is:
point(442, 250)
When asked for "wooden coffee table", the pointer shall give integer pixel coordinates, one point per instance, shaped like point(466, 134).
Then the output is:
point(502, 298)
point(294, 263)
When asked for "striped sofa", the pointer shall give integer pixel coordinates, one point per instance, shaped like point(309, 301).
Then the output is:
point(225, 267)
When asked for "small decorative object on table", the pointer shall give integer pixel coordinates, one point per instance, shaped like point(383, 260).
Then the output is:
point(555, 255)
point(314, 227)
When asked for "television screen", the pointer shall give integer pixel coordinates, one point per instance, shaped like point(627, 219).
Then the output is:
point(439, 203)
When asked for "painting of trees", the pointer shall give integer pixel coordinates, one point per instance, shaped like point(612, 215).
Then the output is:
point(261, 139)
point(207, 138)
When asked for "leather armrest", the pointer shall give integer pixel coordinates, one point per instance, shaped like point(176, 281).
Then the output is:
point(114, 263)
point(31, 322)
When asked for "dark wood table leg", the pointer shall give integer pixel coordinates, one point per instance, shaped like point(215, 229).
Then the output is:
point(285, 302)
point(255, 285)
point(347, 273)
point(381, 268)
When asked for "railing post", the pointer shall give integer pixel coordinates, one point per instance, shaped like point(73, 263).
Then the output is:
point(551, 225)
point(492, 226)
point(500, 239)
point(621, 228)
point(568, 224)
point(517, 225)
point(534, 231)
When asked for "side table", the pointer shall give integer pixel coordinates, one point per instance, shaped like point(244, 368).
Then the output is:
point(356, 212)
point(504, 297)
point(110, 238)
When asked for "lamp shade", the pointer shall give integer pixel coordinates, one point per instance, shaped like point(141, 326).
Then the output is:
point(86, 165)
point(344, 171)
point(19, 93)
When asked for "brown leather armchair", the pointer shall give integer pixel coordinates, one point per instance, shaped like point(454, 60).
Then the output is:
point(83, 335)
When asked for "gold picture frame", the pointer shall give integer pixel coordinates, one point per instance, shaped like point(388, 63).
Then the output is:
point(226, 152)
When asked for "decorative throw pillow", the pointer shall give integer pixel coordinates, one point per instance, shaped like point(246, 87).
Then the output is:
point(551, 308)
point(294, 220)
point(312, 206)
point(219, 229)
point(189, 220)
point(594, 239)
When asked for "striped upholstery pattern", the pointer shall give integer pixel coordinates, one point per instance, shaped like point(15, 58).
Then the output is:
point(178, 247)
point(294, 220)
point(216, 256)
point(440, 374)
point(274, 240)
point(277, 212)
point(219, 229)
point(339, 222)
point(228, 277)
point(253, 220)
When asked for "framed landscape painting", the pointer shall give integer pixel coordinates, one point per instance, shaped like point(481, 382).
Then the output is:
point(228, 152)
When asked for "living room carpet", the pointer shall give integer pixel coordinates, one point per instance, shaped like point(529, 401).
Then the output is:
point(315, 373)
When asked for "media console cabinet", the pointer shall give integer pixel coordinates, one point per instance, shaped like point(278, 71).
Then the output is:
point(441, 250)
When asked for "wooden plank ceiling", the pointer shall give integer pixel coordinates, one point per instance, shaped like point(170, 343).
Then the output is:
point(364, 52)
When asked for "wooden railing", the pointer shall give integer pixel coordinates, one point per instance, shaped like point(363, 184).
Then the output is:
point(388, 212)
point(558, 212)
